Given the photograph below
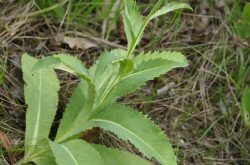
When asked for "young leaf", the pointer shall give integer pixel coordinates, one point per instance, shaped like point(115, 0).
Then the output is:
point(42, 105)
point(118, 156)
point(146, 67)
point(166, 55)
point(106, 58)
point(78, 109)
point(64, 62)
point(134, 34)
point(119, 69)
point(245, 107)
point(75, 152)
point(126, 66)
point(105, 70)
point(168, 8)
point(138, 129)
point(104, 79)
point(132, 21)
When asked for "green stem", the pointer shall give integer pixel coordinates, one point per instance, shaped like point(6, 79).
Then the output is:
point(137, 38)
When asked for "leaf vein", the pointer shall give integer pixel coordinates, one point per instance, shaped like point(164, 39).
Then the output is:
point(124, 128)
point(37, 123)
point(70, 154)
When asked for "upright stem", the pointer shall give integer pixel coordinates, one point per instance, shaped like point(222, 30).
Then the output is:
point(137, 38)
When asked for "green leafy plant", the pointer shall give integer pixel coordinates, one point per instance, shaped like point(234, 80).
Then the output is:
point(245, 107)
point(241, 27)
point(92, 104)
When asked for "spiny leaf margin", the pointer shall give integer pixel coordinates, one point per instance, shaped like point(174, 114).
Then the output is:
point(139, 130)
point(118, 156)
point(146, 67)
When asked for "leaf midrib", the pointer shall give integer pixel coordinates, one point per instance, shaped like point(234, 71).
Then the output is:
point(70, 154)
point(148, 70)
point(124, 128)
point(37, 123)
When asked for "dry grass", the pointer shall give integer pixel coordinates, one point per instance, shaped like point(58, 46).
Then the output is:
point(200, 113)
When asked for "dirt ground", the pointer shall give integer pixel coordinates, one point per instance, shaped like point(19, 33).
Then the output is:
point(198, 107)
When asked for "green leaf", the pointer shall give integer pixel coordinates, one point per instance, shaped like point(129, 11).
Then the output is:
point(168, 8)
point(50, 160)
point(134, 29)
point(246, 12)
point(78, 109)
point(126, 67)
point(83, 99)
point(115, 156)
point(119, 69)
point(138, 129)
point(146, 67)
point(165, 55)
point(245, 107)
point(64, 62)
point(105, 70)
point(132, 21)
point(76, 152)
point(42, 105)
point(130, 34)
point(40, 155)
point(241, 28)
point(106, 58)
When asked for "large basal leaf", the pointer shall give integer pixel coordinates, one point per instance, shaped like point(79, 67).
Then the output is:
point(83, 98)
point(146, 67)
point(245, 107)
point(132, 21)
point(41, 87)
point(76, 152)
point(78, 109)
point(138, 129)
point(119, 157)
point(64, 62)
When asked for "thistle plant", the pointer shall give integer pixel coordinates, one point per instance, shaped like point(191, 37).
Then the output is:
point(93, 102)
